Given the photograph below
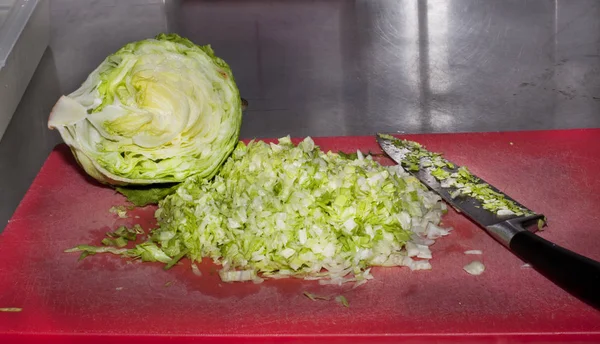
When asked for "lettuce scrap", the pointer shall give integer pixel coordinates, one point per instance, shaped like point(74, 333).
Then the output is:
point(144, 195)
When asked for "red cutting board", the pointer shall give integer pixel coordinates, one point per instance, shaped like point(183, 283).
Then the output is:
point(106, 298)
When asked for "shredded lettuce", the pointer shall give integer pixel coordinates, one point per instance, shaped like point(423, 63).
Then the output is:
point(122, 236)
point(341, 299)
point(120, 211)
point(11, 309)
point(315, 297)
point(144, 195)
point(88, 250)
point(118, 242)
point(474, 268)
point(278, 210)
point(281, 210)
point(195, 270)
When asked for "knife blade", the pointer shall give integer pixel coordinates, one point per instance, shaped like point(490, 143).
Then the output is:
point(472, 207)
point(505, 219)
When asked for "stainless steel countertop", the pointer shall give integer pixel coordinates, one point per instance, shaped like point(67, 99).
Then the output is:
point(339, 67)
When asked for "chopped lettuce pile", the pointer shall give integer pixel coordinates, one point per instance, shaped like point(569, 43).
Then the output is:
point(280, 210)
point(156, 111)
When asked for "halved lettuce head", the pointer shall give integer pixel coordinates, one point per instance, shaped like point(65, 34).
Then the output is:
point(156, 111)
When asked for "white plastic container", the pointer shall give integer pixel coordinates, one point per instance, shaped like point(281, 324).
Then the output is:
point(24, 36)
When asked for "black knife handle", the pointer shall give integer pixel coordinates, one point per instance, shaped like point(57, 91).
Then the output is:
point(573, 272)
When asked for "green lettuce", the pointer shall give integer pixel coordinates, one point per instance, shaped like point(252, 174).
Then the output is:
point(156, 111)
point(144, 195)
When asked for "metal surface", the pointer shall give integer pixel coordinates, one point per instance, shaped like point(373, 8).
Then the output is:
point(470, 206)
point(504, 231)
point(340, 67)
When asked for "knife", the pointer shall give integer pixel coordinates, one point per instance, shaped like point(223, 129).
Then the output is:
point(505, 219)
